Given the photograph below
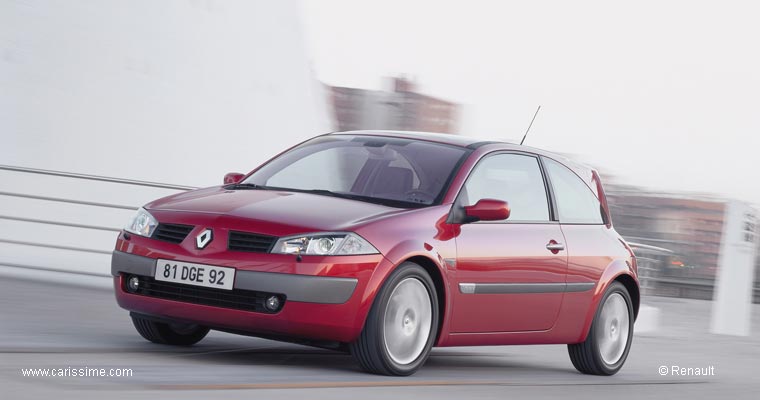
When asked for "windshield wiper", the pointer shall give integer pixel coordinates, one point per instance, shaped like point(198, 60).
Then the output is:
point(244, 186)
point(350, 196)
point(334, 194)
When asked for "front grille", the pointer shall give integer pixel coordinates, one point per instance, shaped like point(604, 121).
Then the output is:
point(238, 299)
point(245, 241)
point(172, 233)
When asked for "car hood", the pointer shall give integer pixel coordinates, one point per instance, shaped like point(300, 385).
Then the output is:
point(318, 212)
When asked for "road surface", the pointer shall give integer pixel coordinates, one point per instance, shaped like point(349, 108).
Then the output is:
point(48, 325)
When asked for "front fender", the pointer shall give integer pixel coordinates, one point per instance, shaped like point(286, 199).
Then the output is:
point(404, 251)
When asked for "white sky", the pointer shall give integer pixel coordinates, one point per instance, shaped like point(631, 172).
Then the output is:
point(664, 94)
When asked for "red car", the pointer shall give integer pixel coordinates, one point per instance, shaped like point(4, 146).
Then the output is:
point(386, 244)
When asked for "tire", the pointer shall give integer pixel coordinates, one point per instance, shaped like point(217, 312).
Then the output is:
point(603, 352)
point(406, 308)
point(171, 334)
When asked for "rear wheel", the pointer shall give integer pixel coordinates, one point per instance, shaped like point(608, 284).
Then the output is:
point(609, 340)
point(401, 325)
point(172, 334)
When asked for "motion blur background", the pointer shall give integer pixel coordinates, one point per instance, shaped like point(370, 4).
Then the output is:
point(660, 96)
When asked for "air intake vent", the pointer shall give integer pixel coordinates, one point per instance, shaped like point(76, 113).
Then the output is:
point(237, 299)
point(172, 233)
point(253, 242)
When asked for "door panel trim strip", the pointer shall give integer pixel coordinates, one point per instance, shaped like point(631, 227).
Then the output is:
point(524, 288)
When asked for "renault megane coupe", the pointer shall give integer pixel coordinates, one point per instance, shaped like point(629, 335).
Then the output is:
point(385, 244)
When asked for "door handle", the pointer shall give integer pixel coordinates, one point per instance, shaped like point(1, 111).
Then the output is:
point(555, 247)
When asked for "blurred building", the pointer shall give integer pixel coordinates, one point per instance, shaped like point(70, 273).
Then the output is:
point(692, 227)
point(193, 78)
point(400, 108)
point(178, 92)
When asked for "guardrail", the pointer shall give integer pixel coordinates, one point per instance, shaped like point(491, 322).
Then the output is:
point(651, 263)
point(94, 177)
point(64, 200)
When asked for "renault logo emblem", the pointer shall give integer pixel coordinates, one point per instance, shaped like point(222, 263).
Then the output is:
point(204, 238)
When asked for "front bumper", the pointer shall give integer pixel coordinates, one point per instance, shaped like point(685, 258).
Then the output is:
point(317, 307)
point(303, 288)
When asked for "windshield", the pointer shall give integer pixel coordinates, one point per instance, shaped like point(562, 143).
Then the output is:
point(397, 172)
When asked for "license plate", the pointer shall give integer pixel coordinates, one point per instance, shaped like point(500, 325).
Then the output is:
point(195, 274)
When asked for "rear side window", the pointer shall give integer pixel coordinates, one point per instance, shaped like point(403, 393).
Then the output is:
point(576, 203)
point(513, 178)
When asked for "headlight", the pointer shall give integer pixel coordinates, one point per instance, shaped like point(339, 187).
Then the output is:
point(324, 244)
point(142, 223)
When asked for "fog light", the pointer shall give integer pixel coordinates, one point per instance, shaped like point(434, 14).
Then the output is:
point(272, 303)
point(133, 284)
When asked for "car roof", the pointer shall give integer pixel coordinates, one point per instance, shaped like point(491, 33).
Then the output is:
point(445, 138)
point(448, 138)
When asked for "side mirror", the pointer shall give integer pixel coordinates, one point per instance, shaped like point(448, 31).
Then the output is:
point(487, 210)
point(233, 177)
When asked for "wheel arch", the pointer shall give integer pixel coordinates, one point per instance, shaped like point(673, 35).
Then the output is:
point(434, 270)
point(422, 254)
point(633, 290)
point(617, 271)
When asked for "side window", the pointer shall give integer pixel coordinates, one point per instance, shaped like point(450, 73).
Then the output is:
point(576, 202)
point(514, 178)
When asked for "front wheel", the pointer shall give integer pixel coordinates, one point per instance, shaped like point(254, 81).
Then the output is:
point(401, 325)
point(172, 334)
point(606, 347)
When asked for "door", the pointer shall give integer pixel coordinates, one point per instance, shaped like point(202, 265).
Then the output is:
point(510, 275)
